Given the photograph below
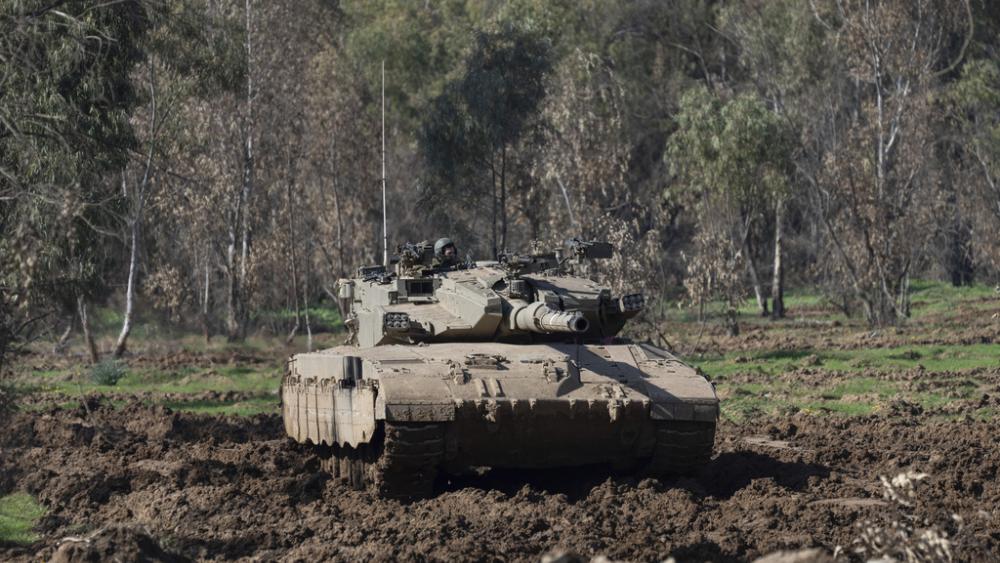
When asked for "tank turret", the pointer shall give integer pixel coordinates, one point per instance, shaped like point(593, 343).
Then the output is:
point(519, 298)
point(502, 363)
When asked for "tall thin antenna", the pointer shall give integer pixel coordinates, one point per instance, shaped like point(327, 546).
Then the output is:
point(385, 224)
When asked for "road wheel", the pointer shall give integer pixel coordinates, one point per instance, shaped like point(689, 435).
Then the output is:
point(682, 447)
point(401, 462)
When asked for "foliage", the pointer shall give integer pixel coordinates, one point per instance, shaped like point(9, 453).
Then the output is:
point(731, 158)
point(235, 147)
point(472, 137)
point(875, 189)
point(64, 132)
point(973, 100)
point(108, 372)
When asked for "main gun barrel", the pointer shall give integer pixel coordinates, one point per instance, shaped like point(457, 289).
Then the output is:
point(538, 317)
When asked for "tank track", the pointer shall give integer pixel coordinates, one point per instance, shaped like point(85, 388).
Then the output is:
point(401, 462)
point(682, 447)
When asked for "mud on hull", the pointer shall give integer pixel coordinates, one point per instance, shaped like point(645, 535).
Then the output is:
point(391, 418)
point(404, 459)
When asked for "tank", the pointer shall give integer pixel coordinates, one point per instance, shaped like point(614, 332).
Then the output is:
point(514, 363)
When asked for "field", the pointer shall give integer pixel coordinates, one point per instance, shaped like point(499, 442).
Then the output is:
point(184, 455)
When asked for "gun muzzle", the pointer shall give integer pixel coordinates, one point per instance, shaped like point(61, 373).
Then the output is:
point(538, 317)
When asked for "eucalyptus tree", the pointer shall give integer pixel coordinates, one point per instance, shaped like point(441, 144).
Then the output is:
point(731, 157)
point(472, 135)
point(65, 102)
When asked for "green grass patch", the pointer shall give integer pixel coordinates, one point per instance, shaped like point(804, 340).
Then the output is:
point(931, 357)
point(18, 514)
point(325, 318)
point(742, 403)
point(861, 386)
point(50, 373)
point(927, 297)
point(930, 297)
point(260, 378)
point(248, 407)
point(846, 408)
point(108, 372)
point(841, 396)
point(932, 400)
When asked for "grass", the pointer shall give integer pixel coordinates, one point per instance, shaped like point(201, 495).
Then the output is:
point(931, 297)
point(248, 407)
point(189, 380)
point(18, 514)
point(927, 298)
point(839, 395)
point(862, 386)
point(327, 318)
point(950, 357)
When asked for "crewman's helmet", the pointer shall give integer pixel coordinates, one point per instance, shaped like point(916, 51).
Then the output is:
point(441, 244)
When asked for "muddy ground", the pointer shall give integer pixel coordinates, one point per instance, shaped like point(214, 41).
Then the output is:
point(210, 487)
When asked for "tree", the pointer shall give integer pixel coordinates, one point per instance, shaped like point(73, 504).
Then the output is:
point(973, 100)
point(732, 158)
point(784, 54)
point(64, 134)
point(473, 130)
point(877, 190)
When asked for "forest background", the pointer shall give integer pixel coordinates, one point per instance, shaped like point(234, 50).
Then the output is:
point(210, 162)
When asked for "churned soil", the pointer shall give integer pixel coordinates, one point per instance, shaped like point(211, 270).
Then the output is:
point(144, 482)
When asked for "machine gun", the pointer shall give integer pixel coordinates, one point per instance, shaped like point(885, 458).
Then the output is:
point(542, 260)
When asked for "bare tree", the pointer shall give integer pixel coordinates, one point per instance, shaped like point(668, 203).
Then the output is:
point(137, 197)
point(877, 188)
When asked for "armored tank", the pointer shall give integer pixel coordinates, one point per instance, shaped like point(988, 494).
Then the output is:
point(512, 363)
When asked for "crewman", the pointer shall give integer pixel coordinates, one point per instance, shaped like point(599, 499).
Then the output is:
point(445, 254)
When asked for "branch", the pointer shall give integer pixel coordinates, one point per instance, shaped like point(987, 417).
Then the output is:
point(965, 45)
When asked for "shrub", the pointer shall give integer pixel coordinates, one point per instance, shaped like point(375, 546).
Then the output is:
point(107, 372)
point(903, 535)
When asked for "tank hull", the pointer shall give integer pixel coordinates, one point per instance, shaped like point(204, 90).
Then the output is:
point(504, 405)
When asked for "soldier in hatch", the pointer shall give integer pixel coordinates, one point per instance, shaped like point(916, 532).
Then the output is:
point(445, 254)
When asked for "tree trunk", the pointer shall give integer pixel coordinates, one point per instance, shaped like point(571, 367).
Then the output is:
point(88, 337)
point(240, 311)
point(778, 280)
point(129, 291)
point(340, 228)
point(305, 307)
point(206, 330)
point(732, 319)
point(493, 201)
point(904, 296)
point(232, 293)
point(295, 272)
point(503, 200)
point(758, 293)
point(569, 208)
point(60, 346)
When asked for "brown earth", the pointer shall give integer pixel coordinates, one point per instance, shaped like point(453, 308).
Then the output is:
point(147, 482)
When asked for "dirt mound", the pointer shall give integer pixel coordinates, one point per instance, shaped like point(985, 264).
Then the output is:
point(227, 488)
point(115, 544)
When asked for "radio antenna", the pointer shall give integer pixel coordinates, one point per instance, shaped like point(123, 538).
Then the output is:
point(385, 224)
